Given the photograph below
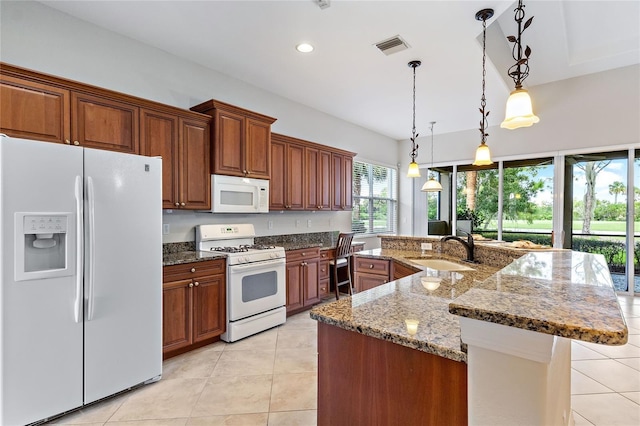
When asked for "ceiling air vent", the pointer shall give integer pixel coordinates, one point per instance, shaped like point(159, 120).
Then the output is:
point(392, 45)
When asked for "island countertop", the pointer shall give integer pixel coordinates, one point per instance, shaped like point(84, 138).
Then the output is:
point(564, 293)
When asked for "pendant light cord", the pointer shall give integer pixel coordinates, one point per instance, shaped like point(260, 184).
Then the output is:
point(484, 124)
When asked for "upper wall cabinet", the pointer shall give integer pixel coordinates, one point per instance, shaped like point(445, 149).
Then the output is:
point(241, 140)
point(47, 108)
point(307, 176)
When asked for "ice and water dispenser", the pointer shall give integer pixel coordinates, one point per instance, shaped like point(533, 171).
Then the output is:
point(42, 246)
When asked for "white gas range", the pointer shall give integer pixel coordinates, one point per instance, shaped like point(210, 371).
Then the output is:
point(256, 293)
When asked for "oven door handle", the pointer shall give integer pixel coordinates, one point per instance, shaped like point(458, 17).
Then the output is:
point(255, 265)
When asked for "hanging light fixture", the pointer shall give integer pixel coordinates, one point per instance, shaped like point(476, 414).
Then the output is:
point(519, 111)
point(483, 155)
point(432, 185)
point(414, 170)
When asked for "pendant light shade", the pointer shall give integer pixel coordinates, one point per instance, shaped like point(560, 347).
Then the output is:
point(432, 185)
point(414, 169)
point(519, 111)
point(483, 156)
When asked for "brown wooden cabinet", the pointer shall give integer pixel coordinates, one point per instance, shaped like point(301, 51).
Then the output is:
point(341, 181)
point(324, 279)
point(401, 270)
point(241, 140)
point(34, 110)
point(102, 123)
point(183, 144)
point(286, 188)
point(370, 273)
point(193, 305)
point(302, 279)
point(318, 179)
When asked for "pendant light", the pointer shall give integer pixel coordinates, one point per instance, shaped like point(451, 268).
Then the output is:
point(519, 112)
point(414, 170)
point(432, 185)
point(483, 155)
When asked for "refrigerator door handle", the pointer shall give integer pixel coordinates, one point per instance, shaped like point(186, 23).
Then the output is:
point(77, 304)
point(92, 245)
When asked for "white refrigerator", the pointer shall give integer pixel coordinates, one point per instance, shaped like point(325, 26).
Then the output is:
point(81, 270)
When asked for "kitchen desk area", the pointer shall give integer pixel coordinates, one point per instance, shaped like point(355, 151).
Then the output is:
point(488, 343)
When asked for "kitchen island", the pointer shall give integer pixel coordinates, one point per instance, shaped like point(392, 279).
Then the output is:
point(375, 367)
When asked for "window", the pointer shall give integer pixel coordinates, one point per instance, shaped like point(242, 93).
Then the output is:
point(375, 199)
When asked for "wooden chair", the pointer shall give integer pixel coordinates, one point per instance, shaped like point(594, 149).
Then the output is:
point(342, 259)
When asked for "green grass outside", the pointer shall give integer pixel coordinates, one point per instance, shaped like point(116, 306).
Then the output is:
point(596, 226)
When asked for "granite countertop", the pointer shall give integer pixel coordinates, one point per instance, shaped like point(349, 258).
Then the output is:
point(564, 293)
point(381, 312)
point(188, 256)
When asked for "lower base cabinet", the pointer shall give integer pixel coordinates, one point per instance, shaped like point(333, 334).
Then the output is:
point(193, 305)
point(302, 279)
point(370, 273)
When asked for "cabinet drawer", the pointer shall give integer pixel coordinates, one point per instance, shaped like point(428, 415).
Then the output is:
point(323, 288)
point(327, 254)
point(323, 272)
point(372, 266)
point(303, 254)
point(193, 270)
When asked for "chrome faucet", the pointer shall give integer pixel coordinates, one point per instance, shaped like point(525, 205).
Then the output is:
point(468, 244)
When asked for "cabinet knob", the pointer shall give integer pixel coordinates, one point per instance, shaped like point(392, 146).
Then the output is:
point(76, 143)
point(177, 204)
point(193, 269)
point(245, 172)
point(371, 266)
point(197, 283)
point(182, 204)
point(304, 254)
point(67, 141)
point(190, 285)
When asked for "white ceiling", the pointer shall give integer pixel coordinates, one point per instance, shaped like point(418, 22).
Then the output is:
point(346, 76)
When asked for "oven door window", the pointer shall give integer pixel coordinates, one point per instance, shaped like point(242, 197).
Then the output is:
point(259, 286)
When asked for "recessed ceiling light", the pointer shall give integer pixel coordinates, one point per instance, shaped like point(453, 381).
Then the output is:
point(304, 48)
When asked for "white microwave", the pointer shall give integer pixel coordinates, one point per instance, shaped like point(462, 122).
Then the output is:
point(233, 194)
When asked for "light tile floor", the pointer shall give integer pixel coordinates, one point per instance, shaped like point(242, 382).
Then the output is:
point(270, 379)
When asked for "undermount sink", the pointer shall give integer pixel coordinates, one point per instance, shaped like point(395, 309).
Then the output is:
point(442, 265)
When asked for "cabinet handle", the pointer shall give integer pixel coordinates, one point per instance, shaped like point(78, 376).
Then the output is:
point(177, 204)
point(67, 141)
point(182, 204)
point(197, 283)
point(190, 285)
point(76, 143)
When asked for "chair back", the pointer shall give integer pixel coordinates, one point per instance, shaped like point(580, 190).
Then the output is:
point(343, 249)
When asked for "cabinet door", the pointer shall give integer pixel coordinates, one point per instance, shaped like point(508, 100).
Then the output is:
point(159, 137)
point(312, 290)
point(209, 315)
point(336, 182)
point(347, 178)
point(277, 184)
point(195, 175)
point(228, 144)
point(34, 111)
point(368, 281)
point(104, 123)
point(311, 179)
point(324, 180)
point(176, 315)
point(258, 149)
point(295, 177)
point(295, 293)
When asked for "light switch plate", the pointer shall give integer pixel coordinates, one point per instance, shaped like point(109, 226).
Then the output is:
point(426, 246)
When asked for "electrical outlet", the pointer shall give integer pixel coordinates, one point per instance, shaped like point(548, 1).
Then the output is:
point(308, 223)
point(426, 246)
point(270, 224)
point(165, 228)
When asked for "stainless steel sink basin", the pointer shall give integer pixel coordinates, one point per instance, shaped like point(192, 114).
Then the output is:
point(442, 265)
